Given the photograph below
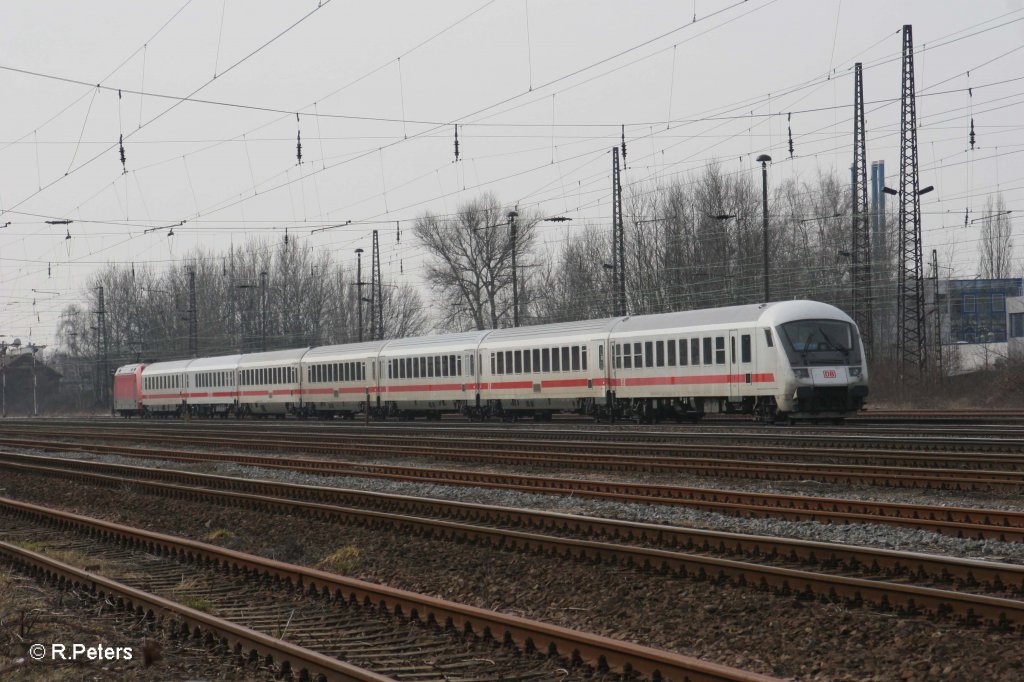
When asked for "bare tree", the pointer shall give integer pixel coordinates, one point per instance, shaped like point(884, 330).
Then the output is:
point(996, 240)
point(469, 266)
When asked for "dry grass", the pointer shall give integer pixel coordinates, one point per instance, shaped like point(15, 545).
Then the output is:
point(341, 561)
point(219, 534)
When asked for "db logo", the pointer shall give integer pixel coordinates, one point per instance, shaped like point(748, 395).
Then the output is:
point(829, 374)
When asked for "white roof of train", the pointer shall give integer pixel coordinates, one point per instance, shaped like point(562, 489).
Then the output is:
point(221, 362)
point(767, 314)
point(271, 358)
point(442, 343)
point(128, 369)
point(344, 351)
point(170, 367)
point(561, 331)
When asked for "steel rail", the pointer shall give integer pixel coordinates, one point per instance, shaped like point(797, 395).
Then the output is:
point(605, 455)
point(298, 659)
point(667, 442)
point(956, 521)
point(601, 652)
point(399, 510)
point(902, 477)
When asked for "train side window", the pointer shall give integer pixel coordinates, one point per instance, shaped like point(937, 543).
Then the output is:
point(555, 364)
point(768, 337)
point(423, 366)
point(492, 364)
point(600, 356)
point(527, 365)
point(545, 359)
point(472, 369)
point(575, 358)
point(583, 355)
point(638, 355)
point(565, 358)
point(444, 365)
point(517, 358)
point(745, 348)
point(458, 361)
point(430, 366)
point(732, 347)
point(501, 363)
point(670, 346)
point(536, 359)
point(659, 353)
point(437, 365)
point(708, 358)
point(617, 355)
point(695, 352)
point(648, 354)
point(719, 350)
point(627, 357)
point(348, 372)
point(399, 368)
point(508, 362)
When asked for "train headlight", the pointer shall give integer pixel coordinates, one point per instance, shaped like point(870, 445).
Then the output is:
point(802, 373)
point(856, 371)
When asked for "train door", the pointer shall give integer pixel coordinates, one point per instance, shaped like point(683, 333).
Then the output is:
point(737, 378)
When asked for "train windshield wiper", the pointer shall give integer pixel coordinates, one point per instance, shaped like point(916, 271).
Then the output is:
point(832, 343)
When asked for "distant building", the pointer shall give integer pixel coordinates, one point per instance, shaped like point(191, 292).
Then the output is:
point(19, 372)
point(975, 324)
point(1015, 327)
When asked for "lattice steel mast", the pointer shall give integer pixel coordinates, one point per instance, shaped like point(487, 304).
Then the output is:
point(376, 297)
point(618, 240)
point(861, 231)
point(910, 330)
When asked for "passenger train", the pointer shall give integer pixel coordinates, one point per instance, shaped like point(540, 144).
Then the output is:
point(787, 360)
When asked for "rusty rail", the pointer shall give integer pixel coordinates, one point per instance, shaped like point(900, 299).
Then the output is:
point(602, 652)
point(312, 501)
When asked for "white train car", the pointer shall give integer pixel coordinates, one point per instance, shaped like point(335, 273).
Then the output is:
point(270, 383)
point(340, 380)
point(739, 359)
point(792, 359)
point(545, 369)
point(165, 387)
point(213, 386)
point(428, 375)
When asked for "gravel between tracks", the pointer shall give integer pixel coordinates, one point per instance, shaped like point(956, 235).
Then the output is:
point(741, 627)
point(873, 535)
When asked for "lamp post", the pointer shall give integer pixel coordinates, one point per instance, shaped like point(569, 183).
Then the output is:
point(3, 377)
point(512, 215)
point(764, 159)
point(263, 311)
point(359, 290)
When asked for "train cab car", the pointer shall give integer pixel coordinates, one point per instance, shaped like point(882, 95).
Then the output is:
point(537, 371)
point(793, 359)
point(340, 380)
point(128, 390)
point(165, 388)
point(429, 375)
point(821, 355)
point(269, 383)
point(212, 386)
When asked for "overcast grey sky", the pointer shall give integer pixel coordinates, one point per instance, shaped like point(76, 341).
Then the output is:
point(539, 89)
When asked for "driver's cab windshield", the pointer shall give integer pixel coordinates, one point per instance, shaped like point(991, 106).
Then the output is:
point(820, 342)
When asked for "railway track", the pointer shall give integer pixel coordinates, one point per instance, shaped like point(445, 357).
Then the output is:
point(847, 474)
point(956, 521)
point(357, 620)
point(831, 582)
point(636, 450)
point(667, 441)
point(445, 518)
